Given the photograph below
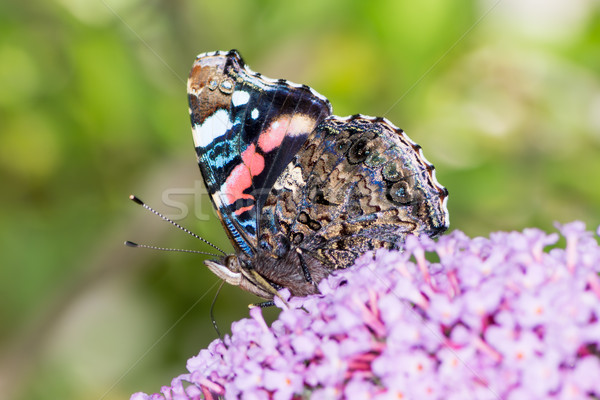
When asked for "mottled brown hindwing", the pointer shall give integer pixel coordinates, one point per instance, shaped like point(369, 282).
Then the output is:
point(357, 184)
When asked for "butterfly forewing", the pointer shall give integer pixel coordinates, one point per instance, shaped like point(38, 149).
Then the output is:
point(246, 129)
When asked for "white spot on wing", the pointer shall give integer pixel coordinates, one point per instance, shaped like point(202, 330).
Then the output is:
point(254, 113)
point(213, 127)
point(239, 98)
point(301, 125)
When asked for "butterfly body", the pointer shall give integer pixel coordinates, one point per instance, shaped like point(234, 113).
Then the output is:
point(302, 192)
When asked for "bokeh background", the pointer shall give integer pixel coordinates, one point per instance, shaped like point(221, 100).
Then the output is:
point(503, 95)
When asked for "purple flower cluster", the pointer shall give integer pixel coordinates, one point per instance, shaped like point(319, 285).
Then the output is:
point(491, 318)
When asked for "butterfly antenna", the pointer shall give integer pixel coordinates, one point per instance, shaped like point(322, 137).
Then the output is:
point(132, 244)
point(212, 309)
point(147, 207)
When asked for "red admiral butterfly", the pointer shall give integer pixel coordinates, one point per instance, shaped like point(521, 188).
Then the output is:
point(302, 192)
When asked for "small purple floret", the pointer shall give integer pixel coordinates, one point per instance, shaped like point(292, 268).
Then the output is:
point(501, 317)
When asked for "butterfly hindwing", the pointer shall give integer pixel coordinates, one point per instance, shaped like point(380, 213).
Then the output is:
point(357, 184)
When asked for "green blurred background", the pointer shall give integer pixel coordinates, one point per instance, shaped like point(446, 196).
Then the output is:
point(504, 97)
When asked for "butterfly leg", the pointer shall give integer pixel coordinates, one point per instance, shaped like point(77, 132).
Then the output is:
point(305, 270)
point(264, 304)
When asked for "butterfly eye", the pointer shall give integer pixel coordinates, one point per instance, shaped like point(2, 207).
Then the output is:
point(233, 263)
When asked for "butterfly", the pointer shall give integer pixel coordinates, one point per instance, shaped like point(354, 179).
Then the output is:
point(302, 192)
